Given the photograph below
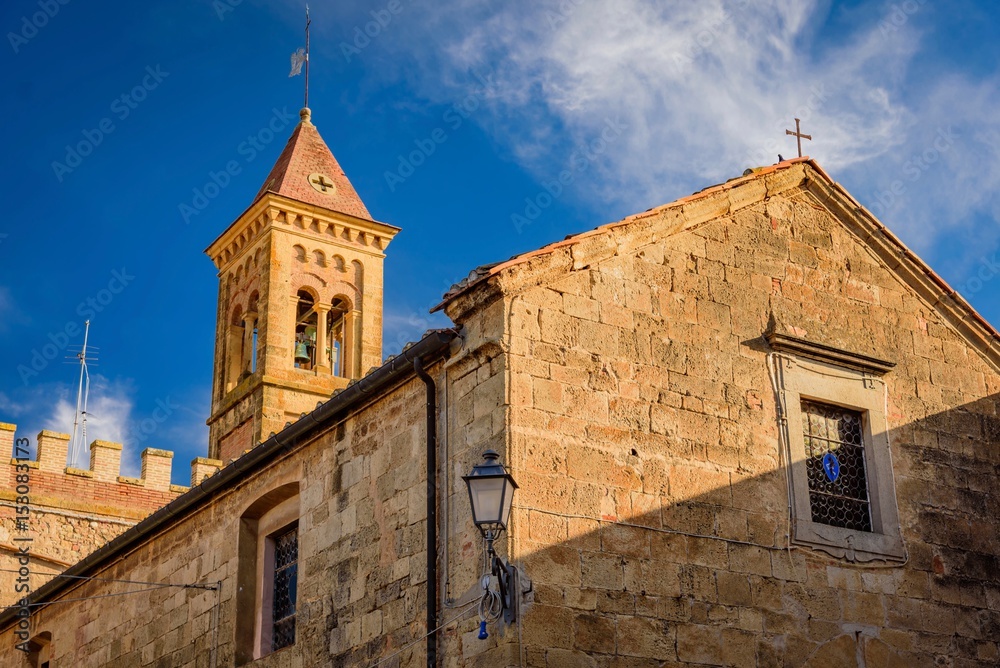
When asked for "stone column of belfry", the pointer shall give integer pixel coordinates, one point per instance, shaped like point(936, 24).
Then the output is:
point(352, 344)
point(249, 325)
point(289, 335)
point(233, 368)
point(322, 356)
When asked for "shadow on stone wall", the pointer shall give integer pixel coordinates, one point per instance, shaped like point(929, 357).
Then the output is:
point(709, 578)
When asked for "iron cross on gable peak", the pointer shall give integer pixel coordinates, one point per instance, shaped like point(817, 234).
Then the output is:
point(798, 136)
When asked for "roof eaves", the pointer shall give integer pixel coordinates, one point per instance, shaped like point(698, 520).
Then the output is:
point(465, 285)
point(433, 345)
point(924, 268)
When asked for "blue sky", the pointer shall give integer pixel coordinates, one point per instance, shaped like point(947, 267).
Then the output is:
point(118, 113)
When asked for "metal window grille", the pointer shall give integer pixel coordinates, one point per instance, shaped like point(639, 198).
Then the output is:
point(286, 570)
point(835, 463)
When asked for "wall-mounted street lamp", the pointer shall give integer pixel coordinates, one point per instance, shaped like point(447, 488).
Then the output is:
point(491, 492)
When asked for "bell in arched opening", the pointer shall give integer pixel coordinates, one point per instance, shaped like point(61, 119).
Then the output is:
point(305, 331)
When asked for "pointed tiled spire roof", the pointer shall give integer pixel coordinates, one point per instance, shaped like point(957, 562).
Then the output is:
point(305, 160)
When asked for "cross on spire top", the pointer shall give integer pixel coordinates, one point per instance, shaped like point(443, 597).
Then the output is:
point(798, 136)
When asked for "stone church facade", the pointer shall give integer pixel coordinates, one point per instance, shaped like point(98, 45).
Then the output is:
point(750, 428)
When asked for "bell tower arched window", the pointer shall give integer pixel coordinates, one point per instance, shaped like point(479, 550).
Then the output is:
point(337, 329)
point(250, 334)
point(305, 331)
point(241, 352)
point(326, 338)
point(234, 349)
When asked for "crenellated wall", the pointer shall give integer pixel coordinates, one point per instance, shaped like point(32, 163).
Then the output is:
point(72, 512)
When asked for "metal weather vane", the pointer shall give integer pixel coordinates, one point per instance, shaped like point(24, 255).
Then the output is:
point(300, 58)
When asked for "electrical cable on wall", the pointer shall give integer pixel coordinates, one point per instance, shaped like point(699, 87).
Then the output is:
point(82, 598)
point(490, 606)
point(468, 609)
point(135, 582)
point(148, 587)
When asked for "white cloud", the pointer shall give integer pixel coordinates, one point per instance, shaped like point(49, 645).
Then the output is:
point(109, 408)
point(9, 312)
point(948, 171)
point(112, 415)
point(707, 89)
point(8, 407)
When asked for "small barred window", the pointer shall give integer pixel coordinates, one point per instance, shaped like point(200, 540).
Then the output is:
point(286, 556)
point(835, 464)
point(267, 574)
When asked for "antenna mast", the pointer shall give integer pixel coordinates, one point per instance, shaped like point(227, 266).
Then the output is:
point(82, 393)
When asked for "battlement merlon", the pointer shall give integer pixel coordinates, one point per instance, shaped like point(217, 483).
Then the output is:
point(105, 462)
point(7, 437)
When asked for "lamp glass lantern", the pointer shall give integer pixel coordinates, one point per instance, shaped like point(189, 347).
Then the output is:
point(491, 492)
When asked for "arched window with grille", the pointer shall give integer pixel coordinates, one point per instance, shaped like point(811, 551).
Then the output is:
point(268, 574)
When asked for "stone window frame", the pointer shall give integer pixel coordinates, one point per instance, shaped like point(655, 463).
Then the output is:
point(278, 522)
point(814, 372)
point(268, 516)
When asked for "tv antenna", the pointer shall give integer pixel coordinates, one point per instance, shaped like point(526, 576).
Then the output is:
point(78, 442)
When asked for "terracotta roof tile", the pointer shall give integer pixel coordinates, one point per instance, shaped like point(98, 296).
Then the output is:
point(305, 154)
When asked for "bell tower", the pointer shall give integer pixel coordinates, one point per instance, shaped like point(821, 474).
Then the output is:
point(300, 296)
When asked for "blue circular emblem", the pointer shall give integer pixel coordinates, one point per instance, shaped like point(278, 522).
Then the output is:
point(831, 466)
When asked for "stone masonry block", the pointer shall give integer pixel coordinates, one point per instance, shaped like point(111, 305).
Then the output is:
point(647, 638)
point(594, 634)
